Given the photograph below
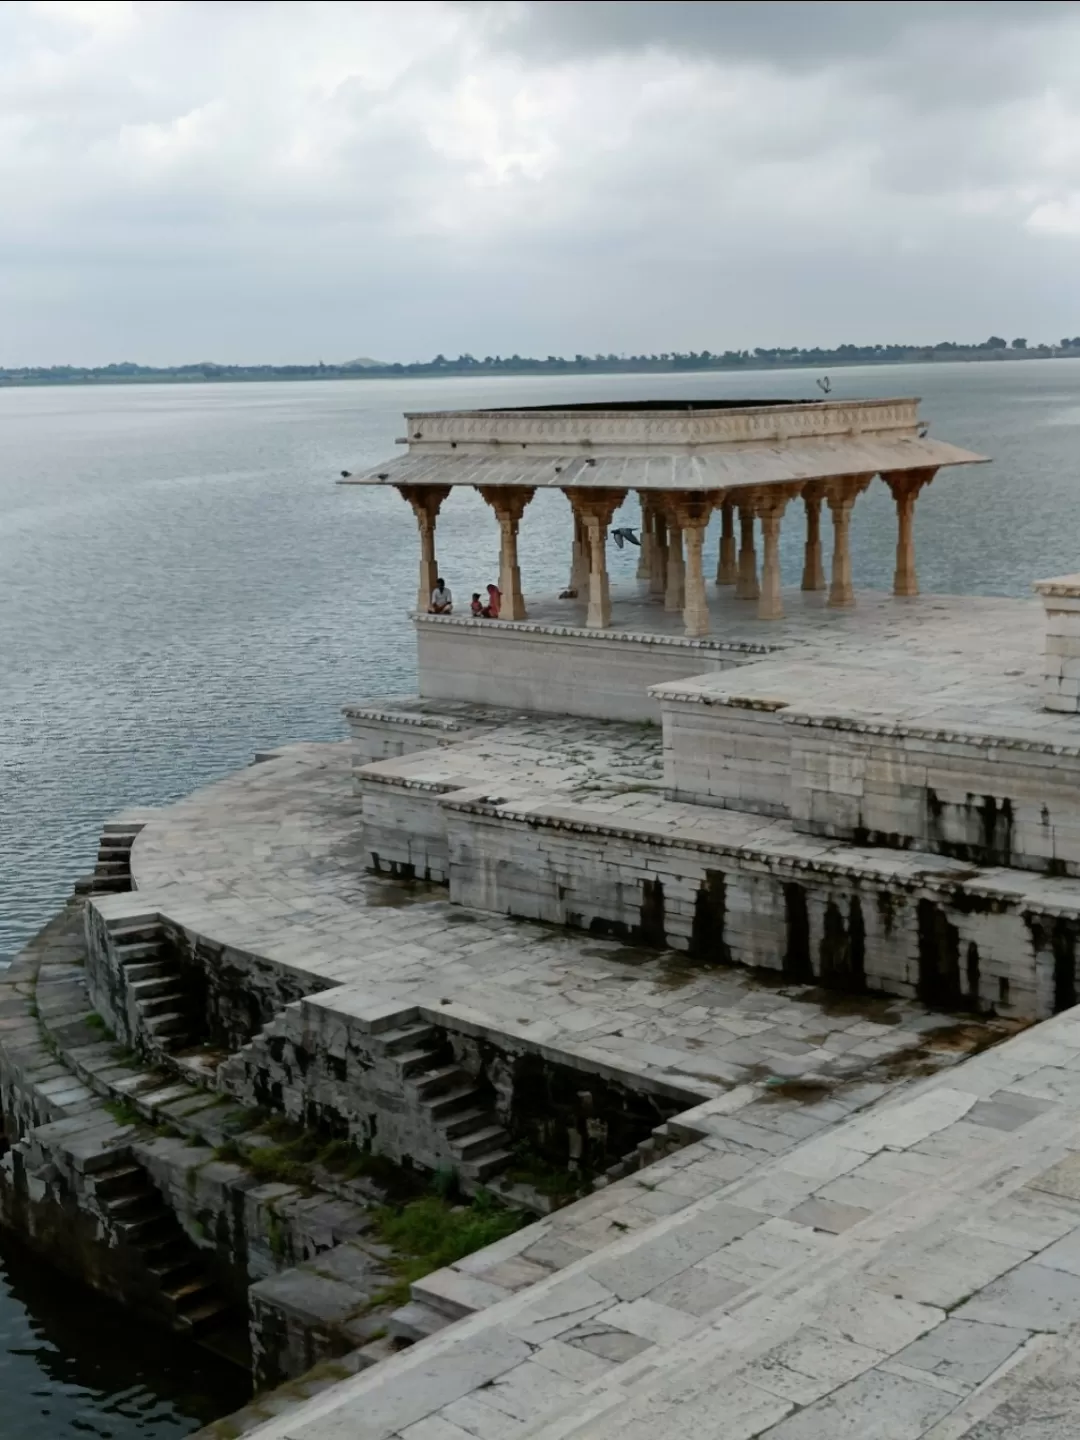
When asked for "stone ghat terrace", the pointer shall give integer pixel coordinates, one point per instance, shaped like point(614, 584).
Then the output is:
point(269, 864)
point(973, 662)
point(912, 1275)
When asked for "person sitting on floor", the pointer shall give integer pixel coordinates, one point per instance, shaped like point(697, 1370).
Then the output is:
point(442, 602)
point(491, 609)
point(476, 607)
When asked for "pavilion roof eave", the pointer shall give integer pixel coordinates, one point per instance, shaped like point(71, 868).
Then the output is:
point(724, 467)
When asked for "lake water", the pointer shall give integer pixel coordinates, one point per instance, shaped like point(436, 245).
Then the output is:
point(181, 583)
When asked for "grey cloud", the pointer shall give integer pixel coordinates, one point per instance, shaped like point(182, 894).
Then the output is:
point(795, 34)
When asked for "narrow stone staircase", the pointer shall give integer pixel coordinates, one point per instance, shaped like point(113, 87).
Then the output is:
point(112, 872)
point(167, 1007)
point(140, 1218)
point(455, 1104)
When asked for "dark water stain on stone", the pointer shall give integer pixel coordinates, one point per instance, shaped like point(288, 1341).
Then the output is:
point(798, 966)
point(1063, 943)
point(973, 974)
point(620, 954)
point(707, 942)
point(939, 958)
point(842, 952)
point(652, 929)
point(887, 905)
point(397, 894)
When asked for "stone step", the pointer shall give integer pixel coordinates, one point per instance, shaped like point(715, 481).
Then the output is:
point(411, 1037)
point(486, 1165)
point(169, 1022)
point(449, 1102)
point(416, 1321)
point(153, 987)
point(110, 884)
point(164, 1001)
point(190, 1292)
point(465, 1122)
point(176, 1274)
point(480, 1143)
point(144, 1204)
point(143, 970)
point(204, 1316)
point(438, 1082)
point(111, 1184)
point(143, 1231)
point(137, 952)
point(107, 865)
point(168, 1251)
point(416, 1062)
point(136, 933)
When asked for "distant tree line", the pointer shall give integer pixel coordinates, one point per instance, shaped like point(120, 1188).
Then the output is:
point(760, 358)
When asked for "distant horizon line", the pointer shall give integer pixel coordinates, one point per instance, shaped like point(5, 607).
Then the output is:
point(466, 364)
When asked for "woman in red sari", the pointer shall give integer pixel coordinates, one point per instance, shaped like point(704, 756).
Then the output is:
point(491, 609)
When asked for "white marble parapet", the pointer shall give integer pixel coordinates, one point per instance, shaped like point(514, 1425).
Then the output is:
point(615, 636)
point(1061, 657)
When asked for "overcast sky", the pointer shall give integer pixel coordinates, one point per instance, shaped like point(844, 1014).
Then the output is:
point(305, 181)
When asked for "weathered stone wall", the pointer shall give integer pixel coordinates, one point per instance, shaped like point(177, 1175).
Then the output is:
point(735, 754)
point(984, 799)
point(404, 828)
point(560, 670)
point(863, 926)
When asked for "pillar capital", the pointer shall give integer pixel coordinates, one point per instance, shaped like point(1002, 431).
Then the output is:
point(508, 501)
point(594, 504)
point(690, 509)
point(907, 483)
point(425, 500)
point(841, 491)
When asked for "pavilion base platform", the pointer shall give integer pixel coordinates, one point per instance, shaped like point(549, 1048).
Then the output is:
point(553, 663)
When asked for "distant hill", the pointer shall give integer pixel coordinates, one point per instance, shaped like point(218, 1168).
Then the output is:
point(364, 362)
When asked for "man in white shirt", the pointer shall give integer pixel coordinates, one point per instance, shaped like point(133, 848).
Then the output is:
point(442, 602)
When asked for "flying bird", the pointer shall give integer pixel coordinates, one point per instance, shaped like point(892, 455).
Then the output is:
point(346, 474)
point(624, 534)
point(824, 385)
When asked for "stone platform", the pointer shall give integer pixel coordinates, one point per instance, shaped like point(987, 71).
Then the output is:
point(269, 865)
point(971, 659)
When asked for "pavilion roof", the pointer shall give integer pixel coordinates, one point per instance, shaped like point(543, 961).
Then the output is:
point(718, 467)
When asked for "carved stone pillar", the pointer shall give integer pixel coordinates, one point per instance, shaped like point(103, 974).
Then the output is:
point(644, 564)
point(813, 575)
point(905, 486)
point(508, 502)
point(595, 508)
point(425, 501)
point(658, 574)
point(770, 508)
point(841, 496)
point(579, 562)
point(675, 590)
point(726, 568)
point(746, 586)
point(690, 510)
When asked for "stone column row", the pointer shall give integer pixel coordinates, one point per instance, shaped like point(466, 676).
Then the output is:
point(677, 519)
